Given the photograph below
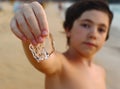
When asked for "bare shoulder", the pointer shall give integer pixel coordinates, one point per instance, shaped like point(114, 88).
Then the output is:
point(57, 59)
point(101, 70)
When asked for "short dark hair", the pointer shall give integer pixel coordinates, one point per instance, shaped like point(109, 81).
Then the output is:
point(77, 9)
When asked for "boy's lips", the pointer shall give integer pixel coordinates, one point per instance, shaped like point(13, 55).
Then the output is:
point(90, 44)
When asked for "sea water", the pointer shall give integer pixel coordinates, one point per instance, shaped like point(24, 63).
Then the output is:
point(116, 10)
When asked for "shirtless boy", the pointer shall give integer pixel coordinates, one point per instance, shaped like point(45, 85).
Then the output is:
point(87, 25)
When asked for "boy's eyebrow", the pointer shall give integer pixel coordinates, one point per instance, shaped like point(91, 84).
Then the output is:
point(88, 20)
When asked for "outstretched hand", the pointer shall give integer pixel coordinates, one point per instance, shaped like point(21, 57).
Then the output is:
point(30, 23)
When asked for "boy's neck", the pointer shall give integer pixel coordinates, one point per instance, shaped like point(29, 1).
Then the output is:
point(76, 58)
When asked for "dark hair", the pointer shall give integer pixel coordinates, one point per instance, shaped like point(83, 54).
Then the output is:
point(77, 9)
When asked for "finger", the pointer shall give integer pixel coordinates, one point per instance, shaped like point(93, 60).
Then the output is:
point(31, 20)
point(41, 17)
point(24, 28)
point(16, 31)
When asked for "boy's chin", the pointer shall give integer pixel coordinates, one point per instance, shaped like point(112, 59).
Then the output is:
point(89, 54)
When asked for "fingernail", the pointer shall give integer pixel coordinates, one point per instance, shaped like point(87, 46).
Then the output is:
point(24, 39)
point(40, 39)
point(44, 33)
point(34, 42)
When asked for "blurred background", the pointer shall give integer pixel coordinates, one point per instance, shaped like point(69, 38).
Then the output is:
point(15, 70)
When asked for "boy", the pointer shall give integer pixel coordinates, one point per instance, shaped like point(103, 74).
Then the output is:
point(87, 24)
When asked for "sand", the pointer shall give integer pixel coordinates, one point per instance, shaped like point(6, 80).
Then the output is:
point(17, 73)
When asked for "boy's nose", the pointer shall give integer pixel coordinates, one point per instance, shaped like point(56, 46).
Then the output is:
point(92, 33)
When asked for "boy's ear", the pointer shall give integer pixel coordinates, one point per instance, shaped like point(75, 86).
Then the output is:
point(67, 32)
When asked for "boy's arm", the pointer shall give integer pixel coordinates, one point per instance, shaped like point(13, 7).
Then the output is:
point(50, 66)
point(30, 25)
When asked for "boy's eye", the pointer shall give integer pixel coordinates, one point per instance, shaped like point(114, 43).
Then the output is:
point(85, 25)
point(101, 30)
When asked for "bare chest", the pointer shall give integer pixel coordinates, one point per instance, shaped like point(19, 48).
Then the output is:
point(82, 79)
point(72, 79)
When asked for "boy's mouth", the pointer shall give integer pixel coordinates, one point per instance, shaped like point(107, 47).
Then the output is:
point(90, 44)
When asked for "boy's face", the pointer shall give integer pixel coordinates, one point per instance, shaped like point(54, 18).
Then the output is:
point(89, 32)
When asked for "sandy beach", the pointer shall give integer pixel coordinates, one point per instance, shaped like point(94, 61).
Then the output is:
point(17, 73)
